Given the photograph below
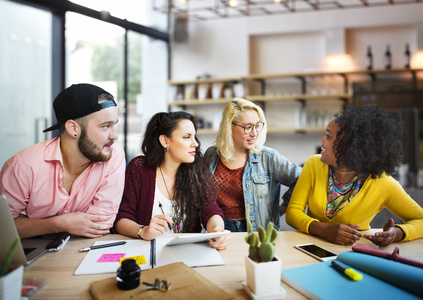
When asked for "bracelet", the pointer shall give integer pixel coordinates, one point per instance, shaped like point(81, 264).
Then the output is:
point(140, 231)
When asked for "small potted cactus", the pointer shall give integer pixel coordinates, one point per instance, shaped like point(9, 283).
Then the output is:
point(263, 268)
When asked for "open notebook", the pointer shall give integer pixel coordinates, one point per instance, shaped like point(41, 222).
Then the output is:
point(29, 249)
point(107, 260)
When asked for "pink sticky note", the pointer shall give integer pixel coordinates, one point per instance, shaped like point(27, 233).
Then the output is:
point(111, 257)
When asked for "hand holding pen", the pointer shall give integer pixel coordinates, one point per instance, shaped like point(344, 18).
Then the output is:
point(158, 225)
point(161, 208)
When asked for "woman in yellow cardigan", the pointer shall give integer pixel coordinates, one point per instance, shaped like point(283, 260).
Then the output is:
point(348, 183)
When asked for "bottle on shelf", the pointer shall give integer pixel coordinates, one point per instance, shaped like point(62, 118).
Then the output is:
point(369, 58)
point(388, 58)
point(407, 56)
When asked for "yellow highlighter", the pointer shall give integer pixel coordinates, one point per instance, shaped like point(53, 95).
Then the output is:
point(347, 270)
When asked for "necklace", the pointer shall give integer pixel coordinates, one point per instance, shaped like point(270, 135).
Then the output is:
point(160, 168)
point(344, 173)
point(177, 220)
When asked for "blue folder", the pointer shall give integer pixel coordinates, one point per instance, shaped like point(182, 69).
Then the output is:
point(382, 279)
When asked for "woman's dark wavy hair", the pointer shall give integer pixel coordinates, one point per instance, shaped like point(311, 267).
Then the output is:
point(369, 140)
point(193, 185)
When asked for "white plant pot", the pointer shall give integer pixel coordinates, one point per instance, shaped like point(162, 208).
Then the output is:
point(265, 277)
point(11, 284)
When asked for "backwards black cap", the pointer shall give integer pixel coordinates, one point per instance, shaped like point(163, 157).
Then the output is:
point(77, 101)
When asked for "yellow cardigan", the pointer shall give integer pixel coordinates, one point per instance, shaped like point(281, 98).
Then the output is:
point(374, 195)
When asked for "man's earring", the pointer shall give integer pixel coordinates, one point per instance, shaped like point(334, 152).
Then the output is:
point(75, 135)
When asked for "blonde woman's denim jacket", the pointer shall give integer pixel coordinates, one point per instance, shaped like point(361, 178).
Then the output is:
point(263, 175)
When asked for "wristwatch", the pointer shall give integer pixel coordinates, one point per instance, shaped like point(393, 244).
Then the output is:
point(140, 231)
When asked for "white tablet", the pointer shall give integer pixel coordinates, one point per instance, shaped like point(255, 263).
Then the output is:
point(196, 238)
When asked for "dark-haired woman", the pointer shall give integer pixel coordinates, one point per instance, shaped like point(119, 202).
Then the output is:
point(169, 185)
point(349, 183)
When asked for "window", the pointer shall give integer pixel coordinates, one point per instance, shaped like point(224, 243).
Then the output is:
point(95, 52)
point(25, 76)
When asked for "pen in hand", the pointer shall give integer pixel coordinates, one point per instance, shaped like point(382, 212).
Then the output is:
point(102, 246)
point(161, 207)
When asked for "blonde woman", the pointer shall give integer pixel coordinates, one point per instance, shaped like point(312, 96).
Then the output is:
point(245, 172)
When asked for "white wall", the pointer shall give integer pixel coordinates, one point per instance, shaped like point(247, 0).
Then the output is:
point(218, 47)
point(290, 43)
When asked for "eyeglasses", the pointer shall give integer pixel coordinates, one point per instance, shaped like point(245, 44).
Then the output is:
point(249, 127)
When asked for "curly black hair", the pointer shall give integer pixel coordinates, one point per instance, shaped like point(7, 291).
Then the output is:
point(369, 140)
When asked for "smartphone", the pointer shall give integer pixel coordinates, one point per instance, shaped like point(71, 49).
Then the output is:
point(316, 251)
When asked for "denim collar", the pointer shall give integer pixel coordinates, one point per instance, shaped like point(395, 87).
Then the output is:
point(253, 158)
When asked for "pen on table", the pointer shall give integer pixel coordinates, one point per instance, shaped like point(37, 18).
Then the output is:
point(161, 207)
point(153, 253)
point(347, 270)
point(102, 246)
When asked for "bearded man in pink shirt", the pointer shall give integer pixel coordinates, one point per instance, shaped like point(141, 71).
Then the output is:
point(74, 182)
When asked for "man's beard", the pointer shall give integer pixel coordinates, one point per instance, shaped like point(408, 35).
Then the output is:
point(90, 150)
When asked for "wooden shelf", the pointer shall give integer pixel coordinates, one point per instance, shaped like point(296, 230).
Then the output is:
point(294, 75)
point(260, 98)
point(251, 81)
point(342, 73)
point(206, 80)
point(297, 97)
point(301, 76)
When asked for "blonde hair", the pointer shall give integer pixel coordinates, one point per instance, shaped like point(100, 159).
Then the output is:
point(232, 114)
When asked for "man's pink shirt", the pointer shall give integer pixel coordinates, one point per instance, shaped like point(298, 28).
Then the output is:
point(32, 182)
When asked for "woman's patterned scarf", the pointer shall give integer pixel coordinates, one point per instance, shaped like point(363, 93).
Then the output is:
point(339, 195)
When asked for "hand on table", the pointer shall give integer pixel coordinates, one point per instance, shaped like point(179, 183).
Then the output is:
point(389, 235)
point(83, 224)
point(341, 234)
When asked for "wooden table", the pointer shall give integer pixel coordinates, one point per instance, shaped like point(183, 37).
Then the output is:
point(58, 267)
